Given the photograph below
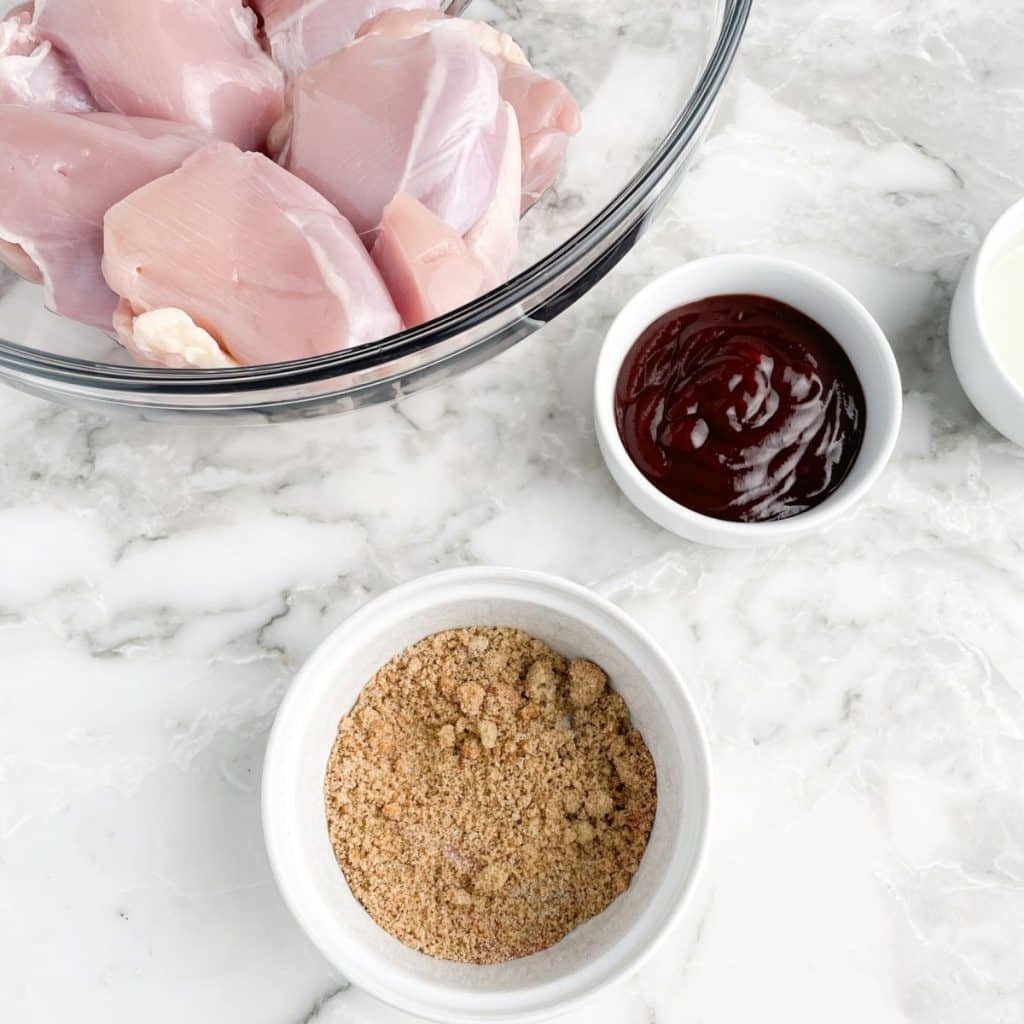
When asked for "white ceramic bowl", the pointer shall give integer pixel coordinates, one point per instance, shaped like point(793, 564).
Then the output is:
point(575, 622)
point(814, 294)
point(991, 390)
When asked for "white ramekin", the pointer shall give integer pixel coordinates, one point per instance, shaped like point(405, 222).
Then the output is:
point(812, 293)
point(575, 622)
point(991, 390)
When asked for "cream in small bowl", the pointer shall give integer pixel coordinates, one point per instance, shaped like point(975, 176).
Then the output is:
point(986, 337)
point(742, 400)
point(608, 946)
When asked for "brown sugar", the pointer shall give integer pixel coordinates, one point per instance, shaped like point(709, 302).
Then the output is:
point(485, 796)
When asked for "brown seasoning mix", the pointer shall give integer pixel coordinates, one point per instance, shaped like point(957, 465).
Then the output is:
point(485, 795)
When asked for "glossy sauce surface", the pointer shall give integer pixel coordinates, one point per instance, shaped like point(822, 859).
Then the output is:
point(741, 408)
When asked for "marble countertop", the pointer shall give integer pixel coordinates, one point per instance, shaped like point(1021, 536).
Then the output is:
point(863, 690)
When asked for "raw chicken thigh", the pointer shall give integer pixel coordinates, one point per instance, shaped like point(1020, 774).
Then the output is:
point(546, 111)
point(59, 174)
point(494, 238)
point(33, 73)
point(233, 260)
point(196, 61)
point(428, 267)
point(385, 115)
point(428, 134)
point(301, 32)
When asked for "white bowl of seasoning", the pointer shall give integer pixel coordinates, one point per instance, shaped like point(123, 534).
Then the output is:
point(608, 947)
point(713, 470)
point(986, 339)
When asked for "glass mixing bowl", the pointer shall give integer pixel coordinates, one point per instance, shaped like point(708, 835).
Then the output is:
point(646, 76)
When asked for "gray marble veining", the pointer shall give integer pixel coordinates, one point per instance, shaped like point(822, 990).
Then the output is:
point(863, 690)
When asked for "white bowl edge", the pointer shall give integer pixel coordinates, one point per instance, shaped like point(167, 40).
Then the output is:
point(820, 298)
point(991, 390)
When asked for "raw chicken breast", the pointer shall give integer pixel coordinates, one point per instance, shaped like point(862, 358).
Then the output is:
point(33, 73)
point(388, 115)
point(231, 260)
point(301, 32)
point(184, 60)
point(429, 268)
point(546, 111)
point(59, 174)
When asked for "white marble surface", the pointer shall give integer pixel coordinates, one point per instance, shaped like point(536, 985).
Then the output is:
point(864, 690)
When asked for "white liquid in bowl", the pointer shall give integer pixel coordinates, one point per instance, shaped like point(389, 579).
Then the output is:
point(1002, 302)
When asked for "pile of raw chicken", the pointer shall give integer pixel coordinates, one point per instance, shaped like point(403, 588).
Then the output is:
point(231, 182)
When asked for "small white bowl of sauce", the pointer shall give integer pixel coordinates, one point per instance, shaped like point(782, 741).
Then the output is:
point(746, 400)
point(986, 326)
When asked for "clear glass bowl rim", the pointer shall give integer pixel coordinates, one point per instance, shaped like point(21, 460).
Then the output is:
point(89, 375)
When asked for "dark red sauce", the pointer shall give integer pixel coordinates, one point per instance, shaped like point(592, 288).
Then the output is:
point(741, 408)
